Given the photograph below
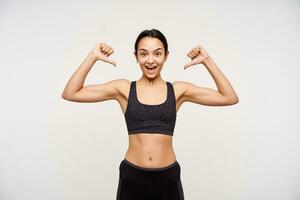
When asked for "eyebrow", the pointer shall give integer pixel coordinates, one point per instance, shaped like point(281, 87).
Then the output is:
point(154, 50)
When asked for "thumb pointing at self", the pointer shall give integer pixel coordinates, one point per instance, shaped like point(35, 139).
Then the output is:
point(190, 64)
point(103, 51)
point(106, 59)
point(198, 55)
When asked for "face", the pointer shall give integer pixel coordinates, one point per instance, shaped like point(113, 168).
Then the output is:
point(151, 56)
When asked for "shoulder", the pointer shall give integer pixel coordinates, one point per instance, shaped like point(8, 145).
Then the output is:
point(180, 88)
point(121, 81)
point(121, 84)
point(184, 88)
point(181, 85)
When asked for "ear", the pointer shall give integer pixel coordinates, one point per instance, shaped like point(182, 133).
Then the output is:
point(135, 56)
point(166, 56)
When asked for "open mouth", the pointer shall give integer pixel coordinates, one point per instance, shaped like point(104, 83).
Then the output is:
point(151, 69)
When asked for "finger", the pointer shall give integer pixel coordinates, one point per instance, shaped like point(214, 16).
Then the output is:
point(99, 46)
point(198, 47)
point(188, 65)
point(195, 51)
point(194, 54)
point(102, 46)
point(106, 52)
point(190, 55)
point(110, 51)
point(106, 49)
point(111, 62)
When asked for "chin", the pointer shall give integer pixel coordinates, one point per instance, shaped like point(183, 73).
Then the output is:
point(151, 76)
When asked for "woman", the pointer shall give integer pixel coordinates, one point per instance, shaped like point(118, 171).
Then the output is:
point(150, 169)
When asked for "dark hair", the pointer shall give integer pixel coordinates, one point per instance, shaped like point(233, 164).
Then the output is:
point(151, 33)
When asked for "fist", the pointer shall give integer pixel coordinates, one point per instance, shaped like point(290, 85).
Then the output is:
point(198, 55)
point(102, 51)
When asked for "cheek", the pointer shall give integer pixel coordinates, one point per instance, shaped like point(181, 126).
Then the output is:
point(141, 60)
point(161, 60)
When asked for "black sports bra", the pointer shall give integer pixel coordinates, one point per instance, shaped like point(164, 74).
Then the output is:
point(146, 118)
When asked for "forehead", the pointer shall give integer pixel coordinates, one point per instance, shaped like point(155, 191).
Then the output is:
point(150, 44)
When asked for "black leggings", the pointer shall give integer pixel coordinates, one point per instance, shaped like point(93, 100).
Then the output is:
point(139, 183)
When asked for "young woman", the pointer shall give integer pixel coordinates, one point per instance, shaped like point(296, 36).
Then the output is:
point(150, 104)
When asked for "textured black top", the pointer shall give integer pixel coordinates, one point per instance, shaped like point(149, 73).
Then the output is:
point(147, 118)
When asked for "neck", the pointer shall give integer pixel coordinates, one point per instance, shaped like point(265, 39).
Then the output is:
point(151, 81)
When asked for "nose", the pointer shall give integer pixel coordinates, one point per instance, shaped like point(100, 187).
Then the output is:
point(150, 59)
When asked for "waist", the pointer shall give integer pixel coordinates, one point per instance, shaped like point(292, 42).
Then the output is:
point(150, 150)
point(151, 158)
point(149, 176)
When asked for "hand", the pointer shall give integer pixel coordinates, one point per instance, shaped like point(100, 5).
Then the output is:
point(198, 55)
point(102, 51)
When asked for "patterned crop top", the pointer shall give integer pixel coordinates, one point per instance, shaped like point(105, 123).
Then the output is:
point(147, 118)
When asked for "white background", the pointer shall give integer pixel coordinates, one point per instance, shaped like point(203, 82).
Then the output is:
point(51, 148)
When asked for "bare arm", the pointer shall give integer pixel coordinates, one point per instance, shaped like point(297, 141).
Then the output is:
point(207, 96)
point(75, 91)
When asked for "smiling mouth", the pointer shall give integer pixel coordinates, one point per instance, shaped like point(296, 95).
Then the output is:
point(151, 68)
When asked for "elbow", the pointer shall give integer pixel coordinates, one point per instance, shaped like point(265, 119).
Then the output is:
point(67, 95)
point(234, 101)
point(64, 96)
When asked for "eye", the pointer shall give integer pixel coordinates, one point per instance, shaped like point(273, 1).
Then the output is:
point(142, 54)
point(158, 53)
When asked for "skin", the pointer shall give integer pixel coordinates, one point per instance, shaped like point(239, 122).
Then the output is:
point(150, 150)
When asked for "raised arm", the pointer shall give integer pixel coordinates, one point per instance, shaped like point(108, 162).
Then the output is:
point(75, 91)
point(203, 95)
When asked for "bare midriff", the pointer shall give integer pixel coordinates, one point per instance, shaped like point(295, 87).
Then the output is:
point(150, 150)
